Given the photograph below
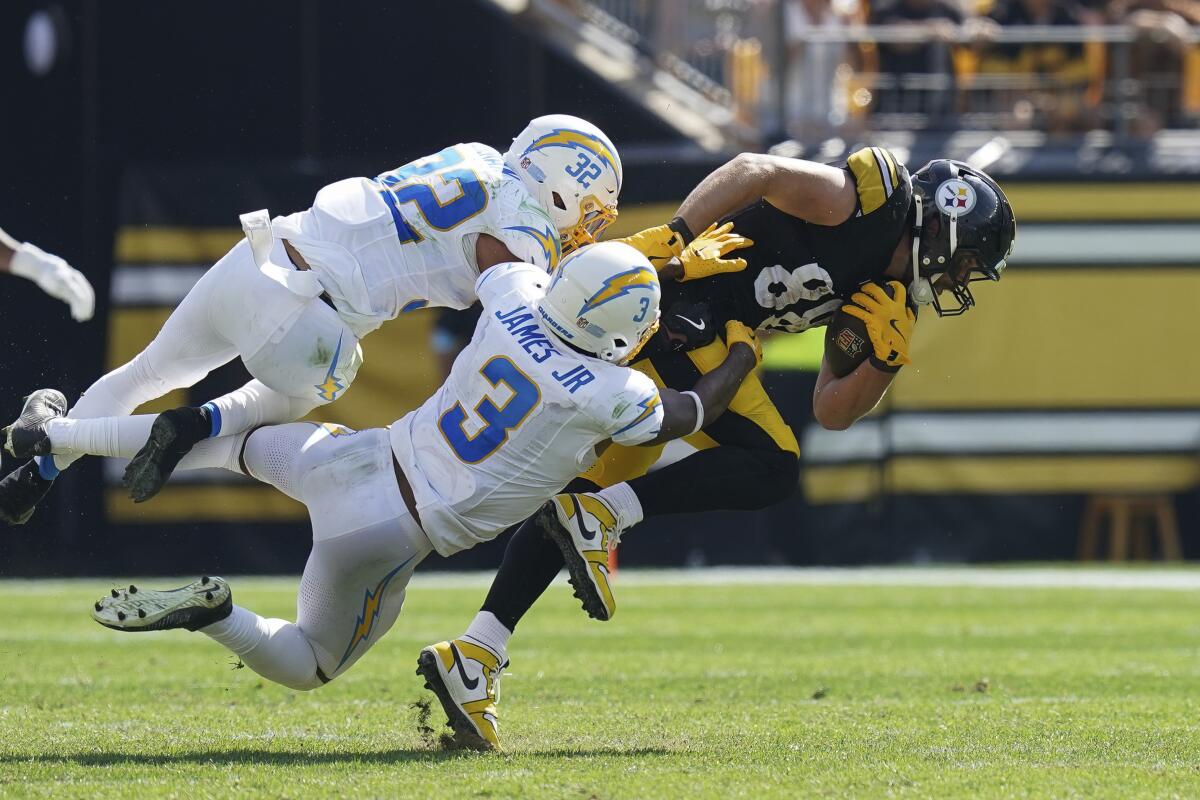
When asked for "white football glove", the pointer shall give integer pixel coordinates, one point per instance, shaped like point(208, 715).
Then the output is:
point(56, 278)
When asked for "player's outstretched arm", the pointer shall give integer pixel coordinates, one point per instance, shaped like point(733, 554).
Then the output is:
point(55, 276)
point(817, 193)
point(686, 413)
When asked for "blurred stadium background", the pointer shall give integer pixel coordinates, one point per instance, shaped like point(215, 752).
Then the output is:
point(1065, 408)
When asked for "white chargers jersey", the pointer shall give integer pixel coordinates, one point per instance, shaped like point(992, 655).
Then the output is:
point(406, 239)
point(519, 416)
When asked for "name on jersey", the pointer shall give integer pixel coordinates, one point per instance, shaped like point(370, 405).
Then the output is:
point(523, 327)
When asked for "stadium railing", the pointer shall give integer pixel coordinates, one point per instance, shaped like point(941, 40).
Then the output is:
point(740, 56)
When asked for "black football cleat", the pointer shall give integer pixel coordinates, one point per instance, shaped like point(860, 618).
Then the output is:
point(26, 437)
point(172, 436)
point(20, 492)
point(191, 607)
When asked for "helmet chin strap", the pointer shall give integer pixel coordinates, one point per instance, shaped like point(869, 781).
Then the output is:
point(919, 289)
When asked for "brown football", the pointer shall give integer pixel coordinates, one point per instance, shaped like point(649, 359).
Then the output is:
point(846, 341)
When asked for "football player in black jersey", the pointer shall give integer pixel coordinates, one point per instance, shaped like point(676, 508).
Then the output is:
point(806, 238)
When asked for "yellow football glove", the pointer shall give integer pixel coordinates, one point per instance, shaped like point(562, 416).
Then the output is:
point(737, 332)
point(705, 256)
point(889, 320)
point(659, 244)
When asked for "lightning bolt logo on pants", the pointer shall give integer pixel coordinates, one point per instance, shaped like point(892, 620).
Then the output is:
point(328, 389)
point(372, 601)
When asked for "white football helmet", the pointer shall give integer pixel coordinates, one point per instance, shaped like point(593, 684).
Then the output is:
point(573, 171)
point(603, 299)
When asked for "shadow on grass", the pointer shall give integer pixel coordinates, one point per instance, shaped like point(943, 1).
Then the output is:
point(286, 758)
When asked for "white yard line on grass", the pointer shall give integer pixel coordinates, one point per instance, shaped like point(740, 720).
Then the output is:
point(1175, 579)
point(1148, 577)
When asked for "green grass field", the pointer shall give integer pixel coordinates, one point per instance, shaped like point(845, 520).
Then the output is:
point(752, 689)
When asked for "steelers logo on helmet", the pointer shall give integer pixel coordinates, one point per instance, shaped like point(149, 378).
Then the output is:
point(955, 196)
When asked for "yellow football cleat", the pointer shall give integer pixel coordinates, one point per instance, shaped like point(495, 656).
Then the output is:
point(465, 676)
point(585, 528)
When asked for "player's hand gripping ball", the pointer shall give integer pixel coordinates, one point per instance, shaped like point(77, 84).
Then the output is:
point(877, 323)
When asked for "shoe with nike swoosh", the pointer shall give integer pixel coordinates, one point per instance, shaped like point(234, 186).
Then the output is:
point(465, 676)
point(191, 607)
point(585, 528)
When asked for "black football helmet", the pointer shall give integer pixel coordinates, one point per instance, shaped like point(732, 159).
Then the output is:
point(963, 228)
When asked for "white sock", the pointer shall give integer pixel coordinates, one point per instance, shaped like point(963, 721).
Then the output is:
point(491, 633)
point(122, 437)
point(239, 632)
point(624, 501)
point(118, 437)
point(274, 648)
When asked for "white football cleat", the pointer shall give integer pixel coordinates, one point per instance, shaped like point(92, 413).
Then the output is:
point(190, 607)
point(585, 528)
point(465, 676)
point(26, 436)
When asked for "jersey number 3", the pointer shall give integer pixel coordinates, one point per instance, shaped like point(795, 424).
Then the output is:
point(444, 192)
point(493, 422)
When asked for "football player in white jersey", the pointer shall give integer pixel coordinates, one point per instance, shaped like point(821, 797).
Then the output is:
point(53, 275)
point(539, 389)
point(293, 298)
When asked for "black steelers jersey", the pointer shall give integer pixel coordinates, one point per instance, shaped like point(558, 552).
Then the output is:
point(799, 273)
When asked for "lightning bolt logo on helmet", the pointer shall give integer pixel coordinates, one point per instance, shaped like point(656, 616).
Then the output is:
point(578, 140)
point(620, 285)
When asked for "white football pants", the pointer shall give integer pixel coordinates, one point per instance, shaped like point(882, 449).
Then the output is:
point(365, 543)
point(298, 349)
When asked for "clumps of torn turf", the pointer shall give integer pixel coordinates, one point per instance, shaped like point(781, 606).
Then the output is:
point(981, 686)
point(820, 694)
point(430, 737)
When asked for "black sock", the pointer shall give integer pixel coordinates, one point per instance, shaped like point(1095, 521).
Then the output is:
point(531, 562)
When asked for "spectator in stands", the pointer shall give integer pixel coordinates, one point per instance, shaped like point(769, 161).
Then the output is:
point(1065, 80)
point(918, 77)
point(1162, 61)
point(816, 71)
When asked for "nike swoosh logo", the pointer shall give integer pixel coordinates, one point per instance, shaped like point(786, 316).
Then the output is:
point(891, 322)
point(462, 673)
point(588, 533)
point(701, 325)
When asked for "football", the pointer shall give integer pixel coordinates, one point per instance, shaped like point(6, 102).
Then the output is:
point(846, 341)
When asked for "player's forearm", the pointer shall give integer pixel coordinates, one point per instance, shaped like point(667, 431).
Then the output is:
point(716, 390)
point(840, 402)
point(736, 184)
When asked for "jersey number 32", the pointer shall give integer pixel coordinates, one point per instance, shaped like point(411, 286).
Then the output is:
point(445, 193)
